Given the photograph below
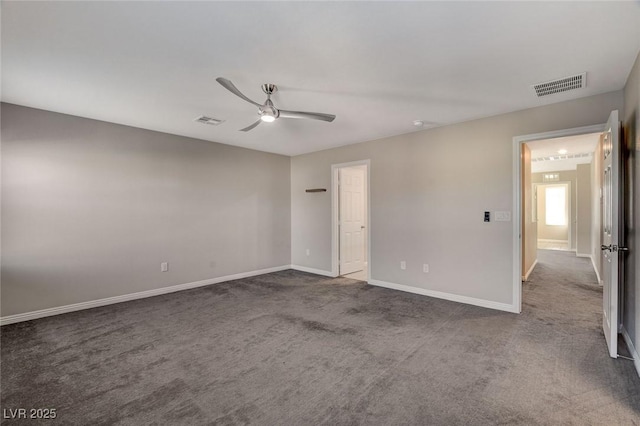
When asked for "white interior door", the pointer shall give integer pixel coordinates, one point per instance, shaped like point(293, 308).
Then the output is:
point(611, 188)
point(351, 219)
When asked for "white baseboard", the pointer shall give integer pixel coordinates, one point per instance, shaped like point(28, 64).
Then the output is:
point(595, 269)
point(447, 296)
point(313, 271)
point(544, 240)
point(10, 319)
point(526, 276)
point(593, 263)
point(632, 349)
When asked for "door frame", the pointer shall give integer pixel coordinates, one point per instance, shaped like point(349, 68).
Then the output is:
point(335, 230)
point(517, 197)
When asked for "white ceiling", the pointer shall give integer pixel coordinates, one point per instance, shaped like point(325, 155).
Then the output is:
point(580, 144)
point(377, 66)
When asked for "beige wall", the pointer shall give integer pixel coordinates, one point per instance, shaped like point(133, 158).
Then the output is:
point(547, 232)
point(583, 210)
point(428, 193)
point(529, 226)
point(90, 210)
point(631, 132)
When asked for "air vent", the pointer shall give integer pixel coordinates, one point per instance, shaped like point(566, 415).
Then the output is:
point(577, 81)
point(563, 157)
point(208, 120)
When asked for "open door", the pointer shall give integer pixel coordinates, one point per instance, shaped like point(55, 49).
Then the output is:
point(611, 227)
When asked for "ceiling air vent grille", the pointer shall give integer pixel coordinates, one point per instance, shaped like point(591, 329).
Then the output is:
point(577, 81)
point(208, 120)
point(563, 157)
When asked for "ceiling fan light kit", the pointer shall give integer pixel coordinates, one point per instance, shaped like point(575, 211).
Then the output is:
point(267, 111)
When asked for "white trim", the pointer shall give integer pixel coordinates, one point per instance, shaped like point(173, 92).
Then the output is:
point(526, 276)
point(447, 296)
point(335, 238)
point(593, 263)
point(27, 316)
point(313, 271)
point(517, 198)
point(632, 349)
point(544, 240)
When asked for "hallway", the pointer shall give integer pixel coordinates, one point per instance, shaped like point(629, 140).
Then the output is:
point(562, 305)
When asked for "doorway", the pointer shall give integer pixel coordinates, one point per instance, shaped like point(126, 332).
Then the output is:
point(553, 213)
point(351, 230)
point(558, 197)
point(606, 198)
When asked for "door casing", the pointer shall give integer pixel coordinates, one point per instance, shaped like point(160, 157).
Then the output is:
point(335, 236)
point(517, 198)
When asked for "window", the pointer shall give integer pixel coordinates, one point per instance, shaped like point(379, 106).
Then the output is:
point(556, 205)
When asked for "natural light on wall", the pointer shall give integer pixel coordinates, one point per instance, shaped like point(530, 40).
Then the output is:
point(556, 205)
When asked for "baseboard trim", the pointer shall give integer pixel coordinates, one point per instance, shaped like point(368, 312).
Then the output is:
point(593, 263)
point(526, 276)
point(632, 349)
point(447, 296)
point(313, 271)
point(27, 316)
point(595, 269)
point(544, 240)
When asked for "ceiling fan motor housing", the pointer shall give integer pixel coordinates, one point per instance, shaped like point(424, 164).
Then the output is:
point(268, 112)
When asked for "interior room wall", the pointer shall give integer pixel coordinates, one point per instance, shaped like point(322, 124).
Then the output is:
point(558, 232)
point(90, 209)
point(429, 190)
point(631, 132)
point(529, 226)
point(583, 210)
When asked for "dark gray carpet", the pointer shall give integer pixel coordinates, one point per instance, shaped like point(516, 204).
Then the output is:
point(291, 348)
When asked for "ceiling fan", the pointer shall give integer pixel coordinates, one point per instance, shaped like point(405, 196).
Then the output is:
point(267, 112)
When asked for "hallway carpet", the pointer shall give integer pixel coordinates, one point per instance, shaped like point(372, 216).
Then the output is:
point(291, 348)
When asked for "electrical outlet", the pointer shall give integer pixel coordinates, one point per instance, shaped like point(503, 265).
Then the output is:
point(403, 265)
point(425, 268)
point(308, 252)
point(164, 266)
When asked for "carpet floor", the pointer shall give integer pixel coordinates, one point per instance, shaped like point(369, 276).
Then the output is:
point(291, 348)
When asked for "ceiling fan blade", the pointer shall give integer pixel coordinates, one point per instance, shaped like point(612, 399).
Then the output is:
point(309, 115)
point(233, 89)
point(246, 129)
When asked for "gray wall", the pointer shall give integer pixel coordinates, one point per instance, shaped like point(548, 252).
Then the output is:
point(583, 209)
point(631, 131)
point(90, 209)
point(428, 193)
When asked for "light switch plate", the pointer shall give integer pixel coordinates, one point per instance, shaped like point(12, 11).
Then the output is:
point(502, 216)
